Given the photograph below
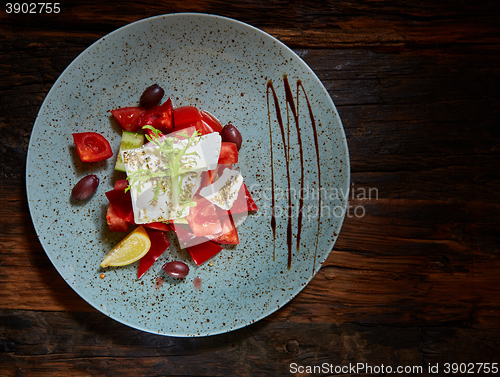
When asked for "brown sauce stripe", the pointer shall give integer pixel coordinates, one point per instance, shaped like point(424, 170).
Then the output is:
point(283, 137)
point(295, 112)
point(273, 217)
point(316, 146)
point(286, 148)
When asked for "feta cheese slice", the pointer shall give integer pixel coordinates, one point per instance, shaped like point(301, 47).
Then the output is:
point(147, 210)
point(224, 191)
point(158, 193)
point(204, 155)
point(211, 145)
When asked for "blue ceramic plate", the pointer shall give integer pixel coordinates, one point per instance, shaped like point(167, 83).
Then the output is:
point(240, 74)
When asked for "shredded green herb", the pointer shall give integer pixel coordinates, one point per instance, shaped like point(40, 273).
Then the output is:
point(175, 162)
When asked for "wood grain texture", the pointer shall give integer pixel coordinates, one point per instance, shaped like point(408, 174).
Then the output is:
point(263, 349)
point(414, 277)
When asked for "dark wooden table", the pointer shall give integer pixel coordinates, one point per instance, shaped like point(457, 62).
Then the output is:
point(414, 279)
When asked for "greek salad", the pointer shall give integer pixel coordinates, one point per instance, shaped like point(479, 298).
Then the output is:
point(178, 176)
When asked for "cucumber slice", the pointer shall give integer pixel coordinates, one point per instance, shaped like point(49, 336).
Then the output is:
point(130, 140)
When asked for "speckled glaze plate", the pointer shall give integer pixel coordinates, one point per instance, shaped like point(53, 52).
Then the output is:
point(241, 75)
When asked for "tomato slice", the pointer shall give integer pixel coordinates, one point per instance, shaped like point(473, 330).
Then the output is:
point(229, 234)
point(122, 203)
point(244, 202)
point(92, 147)
point(159, 244)
point(203, 218)
point(121, 184)
point(211, 121)
point(202, 252)
point(115, 222)
point(160, 117)
point(186, 115)
point(228, 153)
point(128, 117)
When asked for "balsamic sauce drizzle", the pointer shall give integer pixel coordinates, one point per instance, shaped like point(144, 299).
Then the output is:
point(273, 217)
point(295, 111)
point(290, 103)
point(316, 146)
point(283, 137)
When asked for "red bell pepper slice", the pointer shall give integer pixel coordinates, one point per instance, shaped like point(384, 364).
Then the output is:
point(128, 117)
point(211, 121)
point(159, 244)
point(92, 147)
point(157, 226)
point(186, 237)
point(115, 222)
point(185, 115)
point(204, 251)
point(203, 128)
point(190, 116)
point(122, 203)
point(228, 153)
point(200, 126)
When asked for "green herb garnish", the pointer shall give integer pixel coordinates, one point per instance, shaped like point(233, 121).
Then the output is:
point(175, 162)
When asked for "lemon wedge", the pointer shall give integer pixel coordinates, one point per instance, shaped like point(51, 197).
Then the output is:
point(132, 248)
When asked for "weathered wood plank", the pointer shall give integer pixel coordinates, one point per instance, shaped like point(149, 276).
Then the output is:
point(45, 343)
point(331, 24)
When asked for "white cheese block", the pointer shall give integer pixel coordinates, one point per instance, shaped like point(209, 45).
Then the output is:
point(224, 191)
point(207, 151)
point(199, 157)
point(145, 209)
point(211, 145)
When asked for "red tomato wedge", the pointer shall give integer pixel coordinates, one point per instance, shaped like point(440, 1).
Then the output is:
point(152, 135)
point(115, 222)
point(92, 147)
point(128, 117)
point(228, 153)
point(121, 184)
point(203, 218)
point(229, 235)
point(122, 203)
point(202, 252)
point(160, 117)
point(159, 244)
point(185, 115)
